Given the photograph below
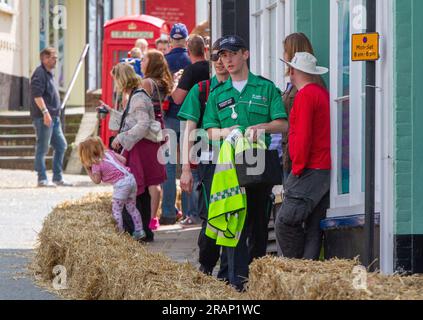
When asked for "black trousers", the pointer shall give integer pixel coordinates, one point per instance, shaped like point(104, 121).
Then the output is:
point(209, 252)
point(144, 207)
point(254, 236)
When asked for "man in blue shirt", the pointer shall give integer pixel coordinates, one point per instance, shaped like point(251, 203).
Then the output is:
point(177, 60)
point(45, 113)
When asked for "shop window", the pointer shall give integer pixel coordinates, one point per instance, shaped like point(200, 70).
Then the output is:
point(270, 25)
point(99, 11)
point(273, 60)
point(256, 49)
point(52, 33)
point(343, 78)
point(6, 6)
point(348, 100)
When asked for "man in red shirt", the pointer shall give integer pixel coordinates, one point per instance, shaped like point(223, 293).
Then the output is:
point(306, 197)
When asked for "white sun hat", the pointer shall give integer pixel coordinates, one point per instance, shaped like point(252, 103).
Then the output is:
point(306, 63)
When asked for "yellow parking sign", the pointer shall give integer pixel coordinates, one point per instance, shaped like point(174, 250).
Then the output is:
point(365, 47)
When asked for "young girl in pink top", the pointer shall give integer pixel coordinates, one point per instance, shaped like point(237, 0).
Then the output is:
point(109, 167)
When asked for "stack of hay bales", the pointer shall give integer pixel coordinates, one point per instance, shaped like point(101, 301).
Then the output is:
point(101, 264)
point(283, 279)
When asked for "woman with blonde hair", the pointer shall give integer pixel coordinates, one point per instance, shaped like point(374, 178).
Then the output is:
point(295, 42)
point(135, 137)
point(158, 83)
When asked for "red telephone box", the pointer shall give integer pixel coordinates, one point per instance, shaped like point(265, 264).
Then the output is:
point(120, 36)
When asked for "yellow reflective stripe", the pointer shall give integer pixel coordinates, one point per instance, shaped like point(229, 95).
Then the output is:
point(224, 167)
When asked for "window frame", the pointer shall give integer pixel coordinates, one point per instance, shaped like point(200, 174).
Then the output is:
point(7, 6)
point(260, 40)
point(351, 203)
point(61, 55)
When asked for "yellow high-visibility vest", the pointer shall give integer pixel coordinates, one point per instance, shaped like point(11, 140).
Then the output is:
point(228, 201)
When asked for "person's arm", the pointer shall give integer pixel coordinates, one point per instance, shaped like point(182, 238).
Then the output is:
point(189, 114)
point(38, 85)
point(187, 181)
point(115, 116)
point(179, 96)
point(274, 127)
point(182, 87)
point(95, 176)
point(43, 108)
point(217, 134)
point(139, 113)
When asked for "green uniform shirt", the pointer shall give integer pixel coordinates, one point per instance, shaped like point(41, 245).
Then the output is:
point(191, 107)
point(259, 102)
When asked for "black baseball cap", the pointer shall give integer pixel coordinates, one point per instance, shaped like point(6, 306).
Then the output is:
point(232, 43)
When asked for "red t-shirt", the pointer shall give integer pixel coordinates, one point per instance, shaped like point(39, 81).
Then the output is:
point(309, 132)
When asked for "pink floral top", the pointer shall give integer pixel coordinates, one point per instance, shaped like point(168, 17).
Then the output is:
point(108, 172)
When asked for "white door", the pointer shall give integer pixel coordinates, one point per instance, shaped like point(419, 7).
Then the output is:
point(347, 93)
point(347, 89)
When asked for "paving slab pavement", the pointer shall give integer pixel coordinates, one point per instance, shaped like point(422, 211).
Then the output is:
point(23, 208)
point(16, 283)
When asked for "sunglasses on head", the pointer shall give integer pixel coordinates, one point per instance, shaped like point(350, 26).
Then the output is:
point(214, 57)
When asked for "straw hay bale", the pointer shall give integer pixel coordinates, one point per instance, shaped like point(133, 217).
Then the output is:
point(102, 264)
point(284, 279)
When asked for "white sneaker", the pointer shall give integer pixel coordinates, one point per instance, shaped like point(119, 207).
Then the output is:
point(46, 184)
point(63, 183)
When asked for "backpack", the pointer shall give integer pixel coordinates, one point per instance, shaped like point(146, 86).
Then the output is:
point(204, 92)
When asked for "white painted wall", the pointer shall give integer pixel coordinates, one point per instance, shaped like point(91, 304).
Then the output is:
point(25, 41)
point(384, 108)
point(14, 39)
point(202, 11)
point(122, 8)
point(216, 20)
